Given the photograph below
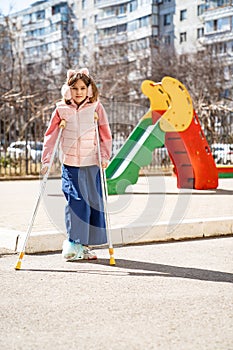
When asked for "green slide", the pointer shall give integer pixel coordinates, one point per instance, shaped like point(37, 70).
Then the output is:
point(136, 152)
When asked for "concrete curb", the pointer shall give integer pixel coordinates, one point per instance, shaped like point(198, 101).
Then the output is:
point(187, 229)
point(49, 241)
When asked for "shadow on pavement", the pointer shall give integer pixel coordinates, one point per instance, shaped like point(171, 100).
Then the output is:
point(170, 271)
point(148, 270)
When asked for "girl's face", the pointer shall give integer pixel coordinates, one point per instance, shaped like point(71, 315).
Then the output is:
point(79, 91)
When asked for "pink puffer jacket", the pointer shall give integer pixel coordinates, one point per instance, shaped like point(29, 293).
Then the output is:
point(78, 141)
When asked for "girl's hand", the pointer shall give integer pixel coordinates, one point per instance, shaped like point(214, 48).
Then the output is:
point(104, 165)
point(44, 170)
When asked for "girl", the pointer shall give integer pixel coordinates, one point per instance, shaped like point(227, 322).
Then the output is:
point(84, 216)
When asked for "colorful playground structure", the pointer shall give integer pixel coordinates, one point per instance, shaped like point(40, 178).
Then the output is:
point(170, 121)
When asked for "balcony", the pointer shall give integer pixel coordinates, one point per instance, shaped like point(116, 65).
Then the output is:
point(46, 39)
point(106, 3)
point(114, 39)
point(215, 38)
point(112, 21)
point(217, 12)
point(59, 17)
point(213, 4)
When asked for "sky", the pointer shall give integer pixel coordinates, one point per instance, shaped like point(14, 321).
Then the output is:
point(11, 6)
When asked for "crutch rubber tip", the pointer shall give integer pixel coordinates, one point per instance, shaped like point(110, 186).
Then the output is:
point(18, 265)
point(112, 261)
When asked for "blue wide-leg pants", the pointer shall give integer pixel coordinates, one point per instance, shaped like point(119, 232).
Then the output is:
point(84, 213)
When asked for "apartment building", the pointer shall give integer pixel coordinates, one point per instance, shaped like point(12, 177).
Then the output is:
point(126, 30)
point(218, 36)
point(115, 34)
point(175, 23)
point(188, 26)
point(45, 34)
point(131, 32)
point(86, 13)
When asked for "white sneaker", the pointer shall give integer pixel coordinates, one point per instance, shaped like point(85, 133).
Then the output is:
point(89, 254)
point(72, 251)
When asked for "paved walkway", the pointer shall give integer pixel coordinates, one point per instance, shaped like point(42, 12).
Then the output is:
point(163, 296)
point(152, 210)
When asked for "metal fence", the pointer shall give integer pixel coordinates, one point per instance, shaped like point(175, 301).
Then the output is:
point(22, 137)
point(22, 129)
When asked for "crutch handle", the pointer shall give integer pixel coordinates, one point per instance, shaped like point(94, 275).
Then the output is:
point(96, 117)
point(62, 124)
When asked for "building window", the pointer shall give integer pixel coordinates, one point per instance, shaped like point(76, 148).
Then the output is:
point(85, 59)
point(200, 9)
point(222, 48)
point(40, 14)
point(84, 4)
point(143, 21)
point(215, 25)
point(109, 31)
point(183, 37)
point(138, 23)
point(110, 11)
point(122, 9)
point(224, 24)
point(57, 9)
point(183, 15)
point(213, 50)
point(84, 41)
point(132, 26)
point(84, 22)
point(211, 26)
point(133, 6)
point(223, 2)
point(167, 19)
point(221, 24)
point(200, 32)
point(167, 40)
point(27, 19)
point(121, 28)
point(96, 38)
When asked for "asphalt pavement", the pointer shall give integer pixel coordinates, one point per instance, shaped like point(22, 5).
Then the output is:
point(163, 295)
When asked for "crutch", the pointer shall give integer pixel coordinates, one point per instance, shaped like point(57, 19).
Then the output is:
point(41, 192)
point(105, 196)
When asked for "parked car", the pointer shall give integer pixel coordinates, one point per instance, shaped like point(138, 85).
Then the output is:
point(222, 153)
point(17, 150)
